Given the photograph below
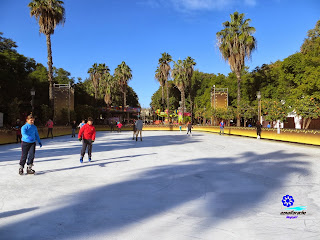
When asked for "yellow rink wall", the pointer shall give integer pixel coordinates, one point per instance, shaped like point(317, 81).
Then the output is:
point(287, 135)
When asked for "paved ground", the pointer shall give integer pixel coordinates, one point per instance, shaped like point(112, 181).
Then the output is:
point(169, 186)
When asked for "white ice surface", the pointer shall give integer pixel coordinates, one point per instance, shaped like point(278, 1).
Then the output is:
point(169, 186)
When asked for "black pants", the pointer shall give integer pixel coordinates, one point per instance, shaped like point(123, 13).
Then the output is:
point(86, 143)
point(189, 130)
point(27, 148)
point(73, 132)
point(18, 138)
point(50, 131)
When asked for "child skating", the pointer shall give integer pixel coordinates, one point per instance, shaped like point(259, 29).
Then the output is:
point(119, 126)
point(28, 146)
point(189, 127)
point(87, 135)
point(139, 125)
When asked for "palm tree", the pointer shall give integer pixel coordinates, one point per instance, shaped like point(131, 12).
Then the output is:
point(236, 44)
point(189, 68)
point(109, 82)
point(49, 14)
point(94, 76)
point(159, 76)
point(164, 65)
point(102, 71)
point(123, 75)
point(180, 80)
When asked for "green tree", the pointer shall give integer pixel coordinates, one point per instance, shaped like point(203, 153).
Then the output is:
point(123, 74)
point(161, 79)
point(180, 80)
point(94, 76)
point(49, 14)
point(236, 44)
point(189, 64)
point(164, 67)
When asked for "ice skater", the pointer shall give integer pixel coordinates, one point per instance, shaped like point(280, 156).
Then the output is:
point(119, 126)
point(74, 127)
point(134, 129)
point(87, 135)
point(83, 122)
point(189, 127)
point(139, 126)
point(28, 146)
point(17, 129)
point(221, 127)
point(259, 130)
point(49, 124)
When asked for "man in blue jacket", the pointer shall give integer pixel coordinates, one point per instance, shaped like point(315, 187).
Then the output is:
point(29, 136)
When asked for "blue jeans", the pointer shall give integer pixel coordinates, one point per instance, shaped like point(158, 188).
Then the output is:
point(27, 149)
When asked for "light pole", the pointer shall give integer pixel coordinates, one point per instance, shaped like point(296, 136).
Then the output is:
point(33, 93)
point(259, 106)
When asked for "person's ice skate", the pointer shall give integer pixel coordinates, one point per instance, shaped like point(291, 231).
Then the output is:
point(89, 159)
point(21, 170)
point(30, 170)
point(81, 159)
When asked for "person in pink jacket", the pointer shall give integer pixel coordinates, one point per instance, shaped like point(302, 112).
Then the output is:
point(49, 124)
point(119, 126)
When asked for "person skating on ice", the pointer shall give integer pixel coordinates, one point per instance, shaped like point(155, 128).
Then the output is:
point(134, 129)
point(119, 126)
point(139, 126)
point(28, 146)
point(189, 127)
point(74, 127)
point(221, 127)
point(87, 135)
point(83, 122)
point(49, 124)
point(259, 126)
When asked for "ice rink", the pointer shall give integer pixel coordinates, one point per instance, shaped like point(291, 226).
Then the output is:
point(169, 186)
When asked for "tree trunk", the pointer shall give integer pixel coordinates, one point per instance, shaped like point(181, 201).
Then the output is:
point(162, 98)
point(191, 107)
point(50, 74)
point(303, 123)
point(168, 103)
point(308, 122)
point(238, 99)
point(183, 104)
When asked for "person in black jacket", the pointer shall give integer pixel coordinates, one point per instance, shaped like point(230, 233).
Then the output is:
point(259, 126)
point(74, 127)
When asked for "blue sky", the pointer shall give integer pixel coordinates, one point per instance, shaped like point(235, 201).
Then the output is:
point(138, 31)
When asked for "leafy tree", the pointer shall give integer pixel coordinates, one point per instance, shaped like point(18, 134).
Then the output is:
point(189, 64)
point(161, 79)
point(236, 44)
point(49, 14)
point(164, 67)
point(308, 109)
point(123, 74)
point(180, 80)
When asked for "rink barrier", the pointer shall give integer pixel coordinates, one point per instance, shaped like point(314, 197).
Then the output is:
point(288, 135)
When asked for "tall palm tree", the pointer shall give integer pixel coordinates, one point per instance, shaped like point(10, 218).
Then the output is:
point(180, 80)
point(49, 14)
point(94, 76)
point(159, 76)
point(189, 64)
point(102, 70)
point(123, 74)
point(236, 44)
point(109, 82)
point(164, 65)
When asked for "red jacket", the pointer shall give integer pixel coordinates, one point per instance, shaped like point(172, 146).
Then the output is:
point(87, 132)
